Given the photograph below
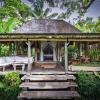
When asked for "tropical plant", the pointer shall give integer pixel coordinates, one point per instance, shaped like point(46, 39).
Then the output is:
point(14, 8)
point(38, 11)
point(4, 50)
point(72, 52)
point(12, 79)
point(9, 25)
point(88, 25)
point(69, 6)
point(12, 13)
point(93, 54)
point(97, 25)
point(9, 86)
point(88, 86)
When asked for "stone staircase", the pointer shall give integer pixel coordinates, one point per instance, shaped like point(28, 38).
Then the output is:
point(49, 87)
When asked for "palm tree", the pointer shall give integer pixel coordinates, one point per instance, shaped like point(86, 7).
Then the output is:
point(38, 11)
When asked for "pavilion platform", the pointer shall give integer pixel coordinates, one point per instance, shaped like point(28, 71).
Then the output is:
point(37, 69)
point(52, 71)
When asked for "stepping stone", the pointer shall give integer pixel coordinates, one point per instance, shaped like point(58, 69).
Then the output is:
point(49, 95)
point(48, 77)
point(48, 85)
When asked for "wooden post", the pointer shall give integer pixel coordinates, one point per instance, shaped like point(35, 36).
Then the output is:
point(29, 55)
point(35, 51)
point(41, 53)
point(58, 52)
point(15, 48)
point(80, 48)
point(66, 56)
point(54, 52)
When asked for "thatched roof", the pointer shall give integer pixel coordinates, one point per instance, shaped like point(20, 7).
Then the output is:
point(45, 26)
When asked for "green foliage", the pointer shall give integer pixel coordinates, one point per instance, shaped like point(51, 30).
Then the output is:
point(9, 86)
point(4, 50)
point(69, 6)
point(12, 79)
point(89, 86)
point(38, 11)
point(9, 25)
point(72, 51)
point(93, 54)
point(12, 14)
point(88, 25)
point(14, 8)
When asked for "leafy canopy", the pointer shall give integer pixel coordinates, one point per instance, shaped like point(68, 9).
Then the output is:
point(38, 12)
point(88, 25)
point(69, 6)
point(9, 25)
point(17, 11)
point(13, 8)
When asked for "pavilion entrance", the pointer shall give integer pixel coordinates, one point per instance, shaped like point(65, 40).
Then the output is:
point(48, 53)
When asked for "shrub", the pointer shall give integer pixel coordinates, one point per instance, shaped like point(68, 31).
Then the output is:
point(88, 86)
point(9, 86)
point(12, 79)
point(72, 52)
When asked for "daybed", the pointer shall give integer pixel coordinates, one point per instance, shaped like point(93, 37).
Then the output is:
point(14, 61)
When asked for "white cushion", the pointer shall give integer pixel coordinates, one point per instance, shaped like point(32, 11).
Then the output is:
point(23, 59)
point(2, 60)
point(12, 59)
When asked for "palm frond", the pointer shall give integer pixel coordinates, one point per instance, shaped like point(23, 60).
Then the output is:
point(52, 15)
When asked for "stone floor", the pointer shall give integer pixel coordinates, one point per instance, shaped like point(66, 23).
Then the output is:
point(36, 70)
point(57, 70)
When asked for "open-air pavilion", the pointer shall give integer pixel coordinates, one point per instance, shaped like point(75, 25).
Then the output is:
point(42, 42)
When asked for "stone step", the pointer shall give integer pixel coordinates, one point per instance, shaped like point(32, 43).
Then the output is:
point(48, 85)
point(48, 78)
point(49, 95)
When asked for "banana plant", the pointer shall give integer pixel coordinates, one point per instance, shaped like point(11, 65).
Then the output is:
point(9, 25)
point(88, 25)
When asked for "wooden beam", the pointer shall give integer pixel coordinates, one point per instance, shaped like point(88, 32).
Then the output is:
point(11, 40)
point(52, 37)
point(85, 40)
